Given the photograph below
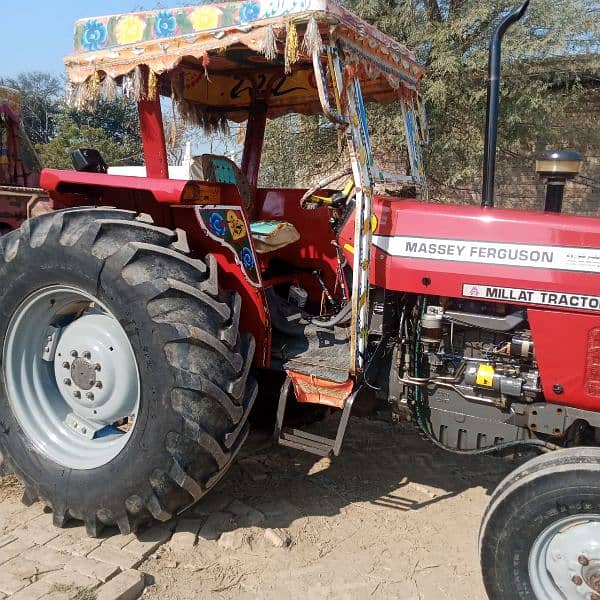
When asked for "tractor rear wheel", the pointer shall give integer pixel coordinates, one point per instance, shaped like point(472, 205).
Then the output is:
point(540, 536)
point(125, 382)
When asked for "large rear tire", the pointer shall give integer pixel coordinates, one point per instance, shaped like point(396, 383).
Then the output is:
point(155, 372)
point(540, 536)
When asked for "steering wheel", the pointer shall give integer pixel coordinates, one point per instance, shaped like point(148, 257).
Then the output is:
point(309, 201)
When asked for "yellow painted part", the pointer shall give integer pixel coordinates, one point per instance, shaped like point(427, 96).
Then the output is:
point(485, 375)
point(349, 248)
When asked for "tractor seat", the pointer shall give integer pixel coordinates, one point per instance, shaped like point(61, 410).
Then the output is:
point(268, 236)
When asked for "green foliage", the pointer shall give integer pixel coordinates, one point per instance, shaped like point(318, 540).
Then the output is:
point(546, 57)
point(56, 130)
point(41, 94)
point(57, 152)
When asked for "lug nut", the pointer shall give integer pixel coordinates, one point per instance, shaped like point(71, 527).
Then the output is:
point(98, 367)
point(77, 394)
point(83, 430)
point(583, 560)
point(66, 365)
point(99, 385)
point(67, 381)
point(89, 396)
point(576, 580)
point(74, 353)
point(87, 354)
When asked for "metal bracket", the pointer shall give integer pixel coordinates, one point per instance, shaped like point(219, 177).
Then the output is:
point(50, 342)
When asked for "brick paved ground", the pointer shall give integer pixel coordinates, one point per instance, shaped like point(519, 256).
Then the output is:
point(38, 560)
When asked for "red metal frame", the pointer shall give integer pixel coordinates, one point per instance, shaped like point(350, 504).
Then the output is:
point(253, 143)
point(153, 139)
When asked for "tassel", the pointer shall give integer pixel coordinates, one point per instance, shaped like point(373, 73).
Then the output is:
point(95, 84)
point(152, 85)
point(291, 47)
point(312, 38)
point(137, 84)
point(108, 89)
point(269, 44)
point(205, 63)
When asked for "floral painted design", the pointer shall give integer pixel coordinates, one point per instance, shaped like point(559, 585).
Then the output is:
point(217, 224)
point(247, 258)
point(165, 24)
point(249, 12)
point(130, 29)
point(94, 35)
point(205, 17)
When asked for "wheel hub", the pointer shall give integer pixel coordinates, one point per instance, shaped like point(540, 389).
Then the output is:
point(565, 558)
point(100, 379)
point(83, 373)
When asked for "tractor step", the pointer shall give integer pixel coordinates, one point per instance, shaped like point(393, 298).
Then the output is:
point(302, 440)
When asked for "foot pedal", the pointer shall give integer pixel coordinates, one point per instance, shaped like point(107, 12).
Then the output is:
point(302, 440)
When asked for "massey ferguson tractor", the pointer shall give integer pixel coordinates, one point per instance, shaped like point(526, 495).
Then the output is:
point(138, 316)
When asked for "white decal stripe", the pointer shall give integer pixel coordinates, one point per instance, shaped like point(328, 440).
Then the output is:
point(534, 256)
point(525, 296)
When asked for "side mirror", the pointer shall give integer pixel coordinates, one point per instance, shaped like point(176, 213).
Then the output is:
point(88, 160)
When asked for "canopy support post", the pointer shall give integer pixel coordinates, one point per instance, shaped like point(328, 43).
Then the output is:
point(153, 139)
point(253, 143)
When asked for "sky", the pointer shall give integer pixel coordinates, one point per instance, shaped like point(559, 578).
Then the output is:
point(37, 34)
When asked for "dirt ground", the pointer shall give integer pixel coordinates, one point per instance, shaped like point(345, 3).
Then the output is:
point(392, 517)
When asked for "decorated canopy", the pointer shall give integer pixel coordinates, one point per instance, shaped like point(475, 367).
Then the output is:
point(214, 59)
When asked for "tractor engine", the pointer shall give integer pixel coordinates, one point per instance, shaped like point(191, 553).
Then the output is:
point(465, 371)
point(486, 356)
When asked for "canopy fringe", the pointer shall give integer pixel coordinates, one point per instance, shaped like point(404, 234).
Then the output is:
point(313, 42)
point(291, 47)
point(269, 44)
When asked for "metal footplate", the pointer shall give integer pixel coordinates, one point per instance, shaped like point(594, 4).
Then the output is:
point(302, 440)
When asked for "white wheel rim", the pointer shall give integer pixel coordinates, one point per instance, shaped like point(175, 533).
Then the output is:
point(564, 561)
point(71, 377)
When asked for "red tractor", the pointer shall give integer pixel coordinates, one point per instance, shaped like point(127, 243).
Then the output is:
point(136, 318)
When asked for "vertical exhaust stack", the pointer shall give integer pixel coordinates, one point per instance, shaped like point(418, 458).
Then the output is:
point(493, 103)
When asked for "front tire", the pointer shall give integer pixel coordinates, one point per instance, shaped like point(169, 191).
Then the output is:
point(540, 536)
point(91, 272)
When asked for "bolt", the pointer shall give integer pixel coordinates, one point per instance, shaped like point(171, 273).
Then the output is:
point(67, 381)
point(594, 581)
point(583, 560)
point(77, 394)
point(98, 367)
point(87, 354)
point(66, 365)
point(89, 396)
point(99, 385)
point(75, 424)
point(576, 580)
point(74, 353)
point(557, 389)
point(83, 430)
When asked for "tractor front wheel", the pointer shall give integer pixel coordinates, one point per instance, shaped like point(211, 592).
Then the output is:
point(540, 536)
point(125, 383)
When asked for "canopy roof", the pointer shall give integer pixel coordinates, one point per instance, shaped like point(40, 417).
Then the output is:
point(213, 58)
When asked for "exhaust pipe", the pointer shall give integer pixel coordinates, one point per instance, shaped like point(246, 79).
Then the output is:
point(493, 103)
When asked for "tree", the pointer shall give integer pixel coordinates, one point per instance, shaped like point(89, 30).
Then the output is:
point(41, 98)
point(57, 152)
point(542, 83)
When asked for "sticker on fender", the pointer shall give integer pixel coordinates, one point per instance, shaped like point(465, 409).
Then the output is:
point(489, 292)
